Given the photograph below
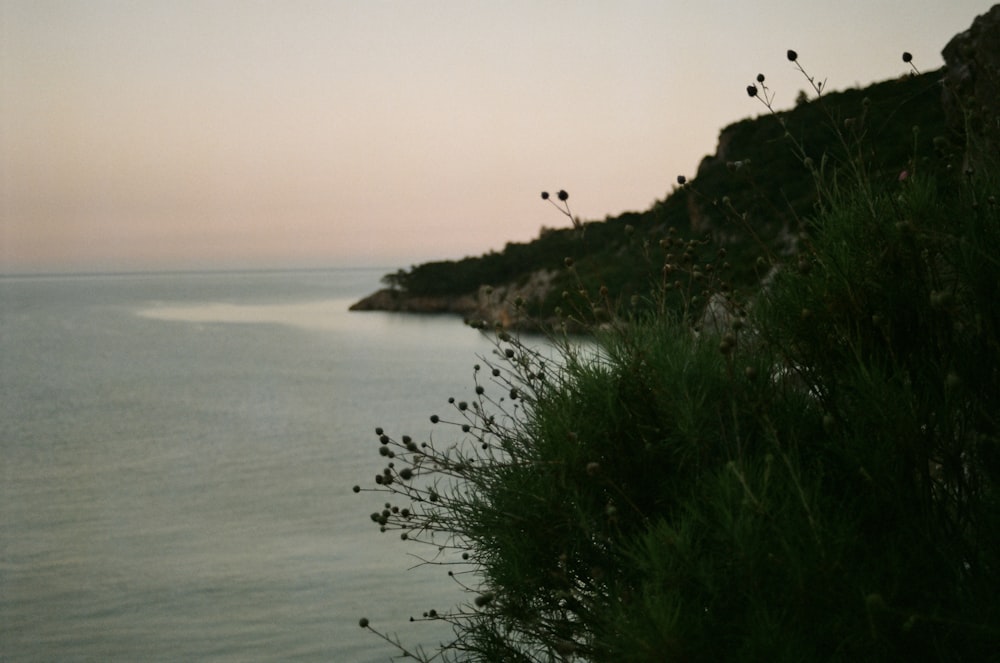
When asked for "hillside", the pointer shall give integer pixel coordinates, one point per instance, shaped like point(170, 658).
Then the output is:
point(806, 471)
point(751, 199)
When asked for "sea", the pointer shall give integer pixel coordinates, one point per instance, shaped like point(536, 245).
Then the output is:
point(177, 457)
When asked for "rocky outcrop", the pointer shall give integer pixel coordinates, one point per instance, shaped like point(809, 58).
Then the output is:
point(499, 304)
point(399, 301)
point(971, 94)
point(491, 304)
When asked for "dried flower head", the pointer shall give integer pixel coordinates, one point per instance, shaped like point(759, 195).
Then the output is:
point(760, 78)
point(563, 195)
point(681, 180)
point(792, 55)
point(907, 57)
point(545, 195)
point(752, 90)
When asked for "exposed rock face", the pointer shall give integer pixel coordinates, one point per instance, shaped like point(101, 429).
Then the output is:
point(971, 95)
point(498, 304)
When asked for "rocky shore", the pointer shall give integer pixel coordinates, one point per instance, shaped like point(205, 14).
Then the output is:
point(398, 301)
point(494, 305)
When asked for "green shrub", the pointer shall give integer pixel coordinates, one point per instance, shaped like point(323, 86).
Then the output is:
point(814, 478)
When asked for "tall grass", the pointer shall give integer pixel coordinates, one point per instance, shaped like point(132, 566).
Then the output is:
point(813, 476)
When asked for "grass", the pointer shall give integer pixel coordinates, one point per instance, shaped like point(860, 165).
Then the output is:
point(814, 477)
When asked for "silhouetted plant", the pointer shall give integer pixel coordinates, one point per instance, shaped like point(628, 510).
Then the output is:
point(810, 475)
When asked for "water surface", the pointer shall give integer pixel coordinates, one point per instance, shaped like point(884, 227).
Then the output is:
point(178, 456)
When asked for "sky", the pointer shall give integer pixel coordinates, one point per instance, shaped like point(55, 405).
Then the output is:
point(234, 134)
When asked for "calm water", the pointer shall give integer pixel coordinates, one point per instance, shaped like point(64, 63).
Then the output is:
point(178, 453)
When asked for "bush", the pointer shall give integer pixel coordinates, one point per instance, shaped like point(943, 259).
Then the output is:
point(815, 478)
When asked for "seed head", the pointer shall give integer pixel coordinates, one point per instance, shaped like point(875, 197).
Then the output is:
point(752, 90)
point(681, 180)
point(907, 57)
point(760, 78)
point(563, 196)
point(435, 419)
point(363, 622)
point(792, 55)
point(545, 195)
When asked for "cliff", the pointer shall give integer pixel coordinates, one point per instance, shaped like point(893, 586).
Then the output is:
point(972, 86)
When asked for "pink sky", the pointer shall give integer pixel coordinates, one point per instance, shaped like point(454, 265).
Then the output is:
point(225, 134)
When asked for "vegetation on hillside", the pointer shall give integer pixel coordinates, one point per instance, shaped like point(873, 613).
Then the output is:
point(750, 197)
point(809, 474)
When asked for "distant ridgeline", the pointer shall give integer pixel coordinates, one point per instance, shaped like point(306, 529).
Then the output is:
point(750, 201)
